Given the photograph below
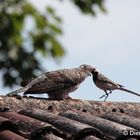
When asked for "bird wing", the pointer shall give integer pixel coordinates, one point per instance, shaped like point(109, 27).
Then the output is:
point(103, 78)
point(25, 82)
point(51, 81)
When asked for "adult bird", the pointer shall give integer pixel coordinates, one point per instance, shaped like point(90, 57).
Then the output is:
point(107, 85)
point(57, 84)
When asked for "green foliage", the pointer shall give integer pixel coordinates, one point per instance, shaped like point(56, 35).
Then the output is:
point(87, 6)
point(18, 60)
point(19, 47)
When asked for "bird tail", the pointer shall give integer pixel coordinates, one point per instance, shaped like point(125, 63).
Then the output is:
point(132, 92)
point(14, 93)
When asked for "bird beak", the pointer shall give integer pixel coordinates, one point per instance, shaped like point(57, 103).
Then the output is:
point(94, 70)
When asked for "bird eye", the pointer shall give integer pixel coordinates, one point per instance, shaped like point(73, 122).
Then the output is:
point(82, 66)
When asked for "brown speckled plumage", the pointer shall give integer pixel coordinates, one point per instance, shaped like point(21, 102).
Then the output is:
point(57, 84)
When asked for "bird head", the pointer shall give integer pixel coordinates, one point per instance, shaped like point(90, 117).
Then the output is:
point(94, 70)
point(87, 68)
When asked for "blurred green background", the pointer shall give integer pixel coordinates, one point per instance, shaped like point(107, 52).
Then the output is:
point(22, 46)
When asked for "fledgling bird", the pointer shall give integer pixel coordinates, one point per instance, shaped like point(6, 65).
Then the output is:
point(57, 84)
point(106, 84)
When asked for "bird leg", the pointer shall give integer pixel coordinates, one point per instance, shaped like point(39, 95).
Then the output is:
point(106, 95)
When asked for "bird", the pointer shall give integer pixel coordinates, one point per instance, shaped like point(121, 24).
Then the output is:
point(107, 85)
point(57, 84)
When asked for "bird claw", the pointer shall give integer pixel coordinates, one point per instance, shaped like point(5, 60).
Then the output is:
point(105, 95)
point(102, 96)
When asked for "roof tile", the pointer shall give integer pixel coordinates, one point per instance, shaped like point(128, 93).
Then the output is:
point(8, 135)
point(41, 119)
point(66, 125)
point(106, 126)
point(123, 119)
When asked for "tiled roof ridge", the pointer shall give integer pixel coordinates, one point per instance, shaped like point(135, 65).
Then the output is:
point(56, 106)
point(23, 118)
